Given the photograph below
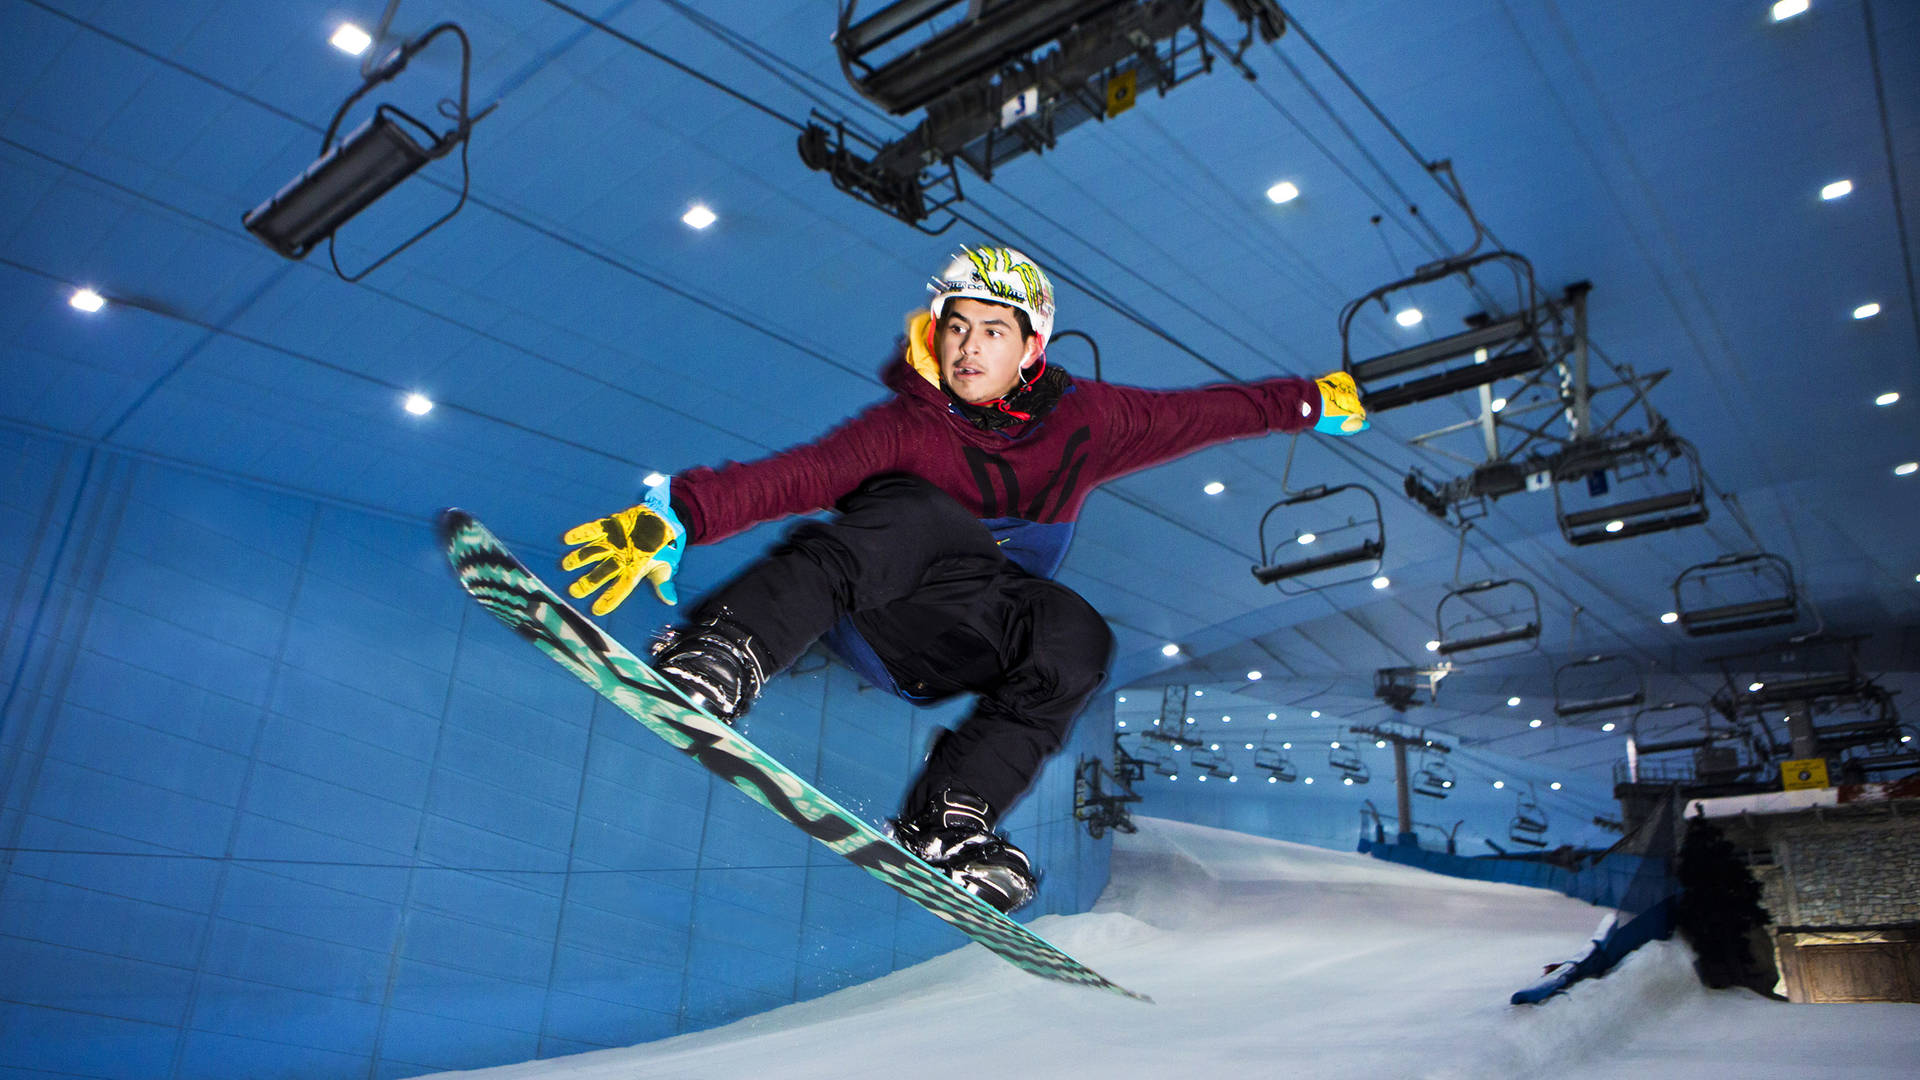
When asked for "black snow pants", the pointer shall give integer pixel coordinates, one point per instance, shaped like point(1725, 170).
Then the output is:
point(925, 584)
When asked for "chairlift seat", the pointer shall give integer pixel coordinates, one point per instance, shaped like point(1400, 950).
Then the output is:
point(1770, 576)
point(1675, 509)
point(1473, 635)
point(1618, 687)
point(1369, 544)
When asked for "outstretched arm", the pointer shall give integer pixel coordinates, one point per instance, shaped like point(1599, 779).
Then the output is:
point(1152, 426)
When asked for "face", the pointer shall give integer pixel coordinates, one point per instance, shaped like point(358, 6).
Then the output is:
point(980, 349)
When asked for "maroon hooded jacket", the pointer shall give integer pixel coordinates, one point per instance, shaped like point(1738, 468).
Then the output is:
point(1025, 481)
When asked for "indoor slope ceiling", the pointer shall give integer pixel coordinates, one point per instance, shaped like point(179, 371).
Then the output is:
point(577, 335)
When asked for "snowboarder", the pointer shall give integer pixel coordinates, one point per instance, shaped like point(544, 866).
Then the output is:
point(955, 500)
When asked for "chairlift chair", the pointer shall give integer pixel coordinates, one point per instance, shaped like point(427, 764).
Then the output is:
point(1595, 684)
point(1361, 539)
point(1734, 593)
point(1276, 763)
point(1486, 352)
point(1345, 759)
point(1435, 779)
point(1529, 822)
point(1629, 458)
point(1211, 762)
point(1467, 633)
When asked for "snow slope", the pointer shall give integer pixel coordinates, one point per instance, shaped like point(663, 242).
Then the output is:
point(1276, 959)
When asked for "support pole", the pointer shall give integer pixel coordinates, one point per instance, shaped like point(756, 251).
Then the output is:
point(1402, 796)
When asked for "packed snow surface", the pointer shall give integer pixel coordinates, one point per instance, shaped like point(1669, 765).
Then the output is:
point(1274, 959)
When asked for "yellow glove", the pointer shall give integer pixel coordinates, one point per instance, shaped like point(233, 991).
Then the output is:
point(642, 541)
point(1340, 410)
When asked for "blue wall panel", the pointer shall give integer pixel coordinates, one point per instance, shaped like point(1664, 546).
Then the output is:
point(280, 801)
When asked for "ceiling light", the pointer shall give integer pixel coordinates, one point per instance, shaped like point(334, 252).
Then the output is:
point(1199, 693)
point(1172, 778)
point(1286, 746)
point(1249, 746)
point(1608, 726)
point(1906, 738)
point(1315, 714)
point(1253, 676)
point(1408, 316)
point(1348, 781)
point(1433, 646)
point(1755, 687)
point(1215, 746)
point(1214, 488)
point(1284, 191)
point(1497, 404)
point(1498, 784)
point(1203, 778)
point(1533, 723)
point(1513, 703)
point(1839, 189)
point(419, 404)
point(1121, 723)
point(1555, 785)
point(1123, 699)
point(1670, 617)
point(87, 300)
point(350, 39)
point(698, 216)
point(1787, 9)
point(1169, 649)
point(1225, 720)
point(1273, 779)
point(1380, 745)
point(1906, 468)
point(1866, 311)
point(1309, 779)
point(1306, 538)
point(1887, 398)
point(1382, 581)
point(1273, 716)
point(1616, 525)
point(1190, 720)
point(1233, 779)
point(1335, 744)
point(655, 479)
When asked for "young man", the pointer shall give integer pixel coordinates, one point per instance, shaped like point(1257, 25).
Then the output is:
point(956, 498)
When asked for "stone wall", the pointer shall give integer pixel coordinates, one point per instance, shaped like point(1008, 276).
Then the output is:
point(1847, 870)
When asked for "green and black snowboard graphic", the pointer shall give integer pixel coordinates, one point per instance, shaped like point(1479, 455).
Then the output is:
point(504, 586)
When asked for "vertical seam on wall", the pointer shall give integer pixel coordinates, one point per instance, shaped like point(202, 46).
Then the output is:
point(103, 517)
point(693, 906)
point(405, 906)
point(566, 880)
point(225, 863)
point(49, 511)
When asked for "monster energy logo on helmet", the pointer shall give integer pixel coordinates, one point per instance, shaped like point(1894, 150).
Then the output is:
point(999, 275)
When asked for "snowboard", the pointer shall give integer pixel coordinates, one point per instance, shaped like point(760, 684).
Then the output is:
point(518, 598)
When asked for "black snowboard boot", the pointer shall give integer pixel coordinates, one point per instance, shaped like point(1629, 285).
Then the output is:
point(951, 834)
point(716, 663)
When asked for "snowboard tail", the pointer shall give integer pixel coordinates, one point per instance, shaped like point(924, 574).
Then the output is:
point(517, 597)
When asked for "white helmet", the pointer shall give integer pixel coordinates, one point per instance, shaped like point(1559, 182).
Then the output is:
point(999, 275)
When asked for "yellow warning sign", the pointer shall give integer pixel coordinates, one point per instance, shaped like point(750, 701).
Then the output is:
point(1120, 90)
point(1803, 774)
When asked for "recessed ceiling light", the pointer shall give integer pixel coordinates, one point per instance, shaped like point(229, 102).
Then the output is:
point(698, 216)
point(1253, 676)
point(1380, 744)
point(1306, 538)
point(1199, 693)
point(1249, 746)
point(1906, 468)
point(1433, 646)
point(1887, 398)
point(1616, 525)
point(1839, 189)
point(1787, 9)
point(1214, 487)
point(1335, 744)
point(1608, 726)
point(1273, 779)
point(1286, 746)
point(1284, 191)
point(1555, 785)
point(87, 300)
point(419, 404)
point(1408, 316)
point(1498, 784)
point(1225, 720)
point(1670, 617)
point(1315, 714)
point(1169, 649)
point(1348, 781)
point(1382, 581)
point(350, 39)
point(1123, 699)
point(1513, 703)
point(1533, 723)
point(1309, 780)
point(1866, 311)
point(1497, 404)
point(1756, 687)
